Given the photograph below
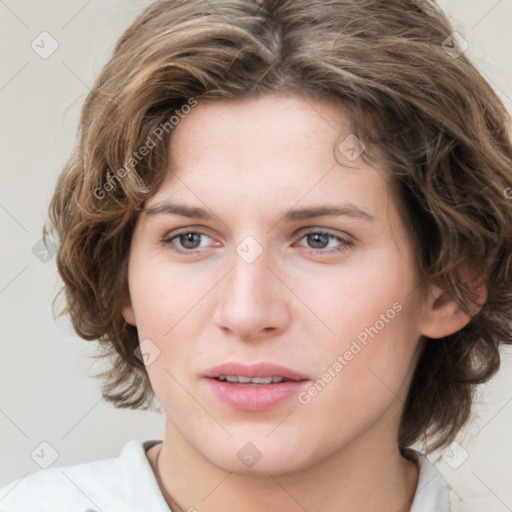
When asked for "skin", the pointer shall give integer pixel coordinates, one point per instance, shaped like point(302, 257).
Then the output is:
point(247, 162)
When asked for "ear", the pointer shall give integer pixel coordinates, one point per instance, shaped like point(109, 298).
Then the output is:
point(442, 315)
point(127, 308)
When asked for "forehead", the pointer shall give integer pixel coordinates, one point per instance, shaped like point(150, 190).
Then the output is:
point(265, 141)
point(281, 126)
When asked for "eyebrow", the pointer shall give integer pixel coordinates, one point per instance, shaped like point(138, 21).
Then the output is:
point(348, 209)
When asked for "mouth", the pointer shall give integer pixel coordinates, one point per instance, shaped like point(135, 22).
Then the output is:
point(239, 380)
point(254, 388)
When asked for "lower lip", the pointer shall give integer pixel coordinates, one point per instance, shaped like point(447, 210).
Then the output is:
point(255, 397)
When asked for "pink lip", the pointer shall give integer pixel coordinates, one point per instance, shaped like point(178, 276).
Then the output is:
point(255, 397)
point(255, 370)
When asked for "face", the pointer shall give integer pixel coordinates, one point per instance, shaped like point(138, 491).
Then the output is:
point(235, 273)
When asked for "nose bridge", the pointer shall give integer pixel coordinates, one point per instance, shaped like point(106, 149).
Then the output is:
point(250, 276)
point(251, 282)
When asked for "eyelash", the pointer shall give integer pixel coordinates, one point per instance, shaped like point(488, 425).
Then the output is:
point(346, 244)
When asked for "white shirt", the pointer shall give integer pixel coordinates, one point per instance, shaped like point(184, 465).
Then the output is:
point(127, 484)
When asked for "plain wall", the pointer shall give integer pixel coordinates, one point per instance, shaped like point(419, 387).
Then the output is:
point(46, 395)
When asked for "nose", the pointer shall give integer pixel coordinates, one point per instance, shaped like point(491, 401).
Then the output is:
point(252, 301)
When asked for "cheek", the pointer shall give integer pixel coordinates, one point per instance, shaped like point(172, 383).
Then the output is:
point(358, 384)
point(169, 309)
point(354, 297)
point(165, 303)
point(164, 295)
point(374, 313)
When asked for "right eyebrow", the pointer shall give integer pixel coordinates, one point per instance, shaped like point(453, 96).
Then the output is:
point(178, 209)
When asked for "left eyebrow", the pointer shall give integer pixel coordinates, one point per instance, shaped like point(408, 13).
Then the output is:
point(347, 209)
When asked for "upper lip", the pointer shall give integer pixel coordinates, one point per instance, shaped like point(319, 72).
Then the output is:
point(254, 370)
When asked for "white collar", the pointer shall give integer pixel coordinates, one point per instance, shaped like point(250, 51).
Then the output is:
point(433, 491)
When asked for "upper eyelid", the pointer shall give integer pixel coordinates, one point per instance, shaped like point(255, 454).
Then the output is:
point(327, 231)
point(302, 231)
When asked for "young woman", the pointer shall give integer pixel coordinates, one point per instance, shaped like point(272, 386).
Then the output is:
point(287, 221)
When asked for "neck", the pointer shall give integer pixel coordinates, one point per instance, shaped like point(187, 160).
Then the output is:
point(355, 479)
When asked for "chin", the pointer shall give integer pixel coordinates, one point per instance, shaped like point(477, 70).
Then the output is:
point(262, 456)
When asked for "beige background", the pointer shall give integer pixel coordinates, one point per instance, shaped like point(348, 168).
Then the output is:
point(45, 394)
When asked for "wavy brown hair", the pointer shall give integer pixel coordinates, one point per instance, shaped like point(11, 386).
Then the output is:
point(434, 122)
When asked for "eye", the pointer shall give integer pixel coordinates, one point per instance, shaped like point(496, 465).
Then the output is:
point(321, 240)
point(188, 240)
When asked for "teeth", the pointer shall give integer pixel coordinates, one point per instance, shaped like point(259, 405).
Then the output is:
point(248, 380)
point(262, 380)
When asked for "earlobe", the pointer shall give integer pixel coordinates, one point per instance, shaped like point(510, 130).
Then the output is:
point(442, 315)
point(127, 309)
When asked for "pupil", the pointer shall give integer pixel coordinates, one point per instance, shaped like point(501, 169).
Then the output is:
point(318, 238)
point(188, 238)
